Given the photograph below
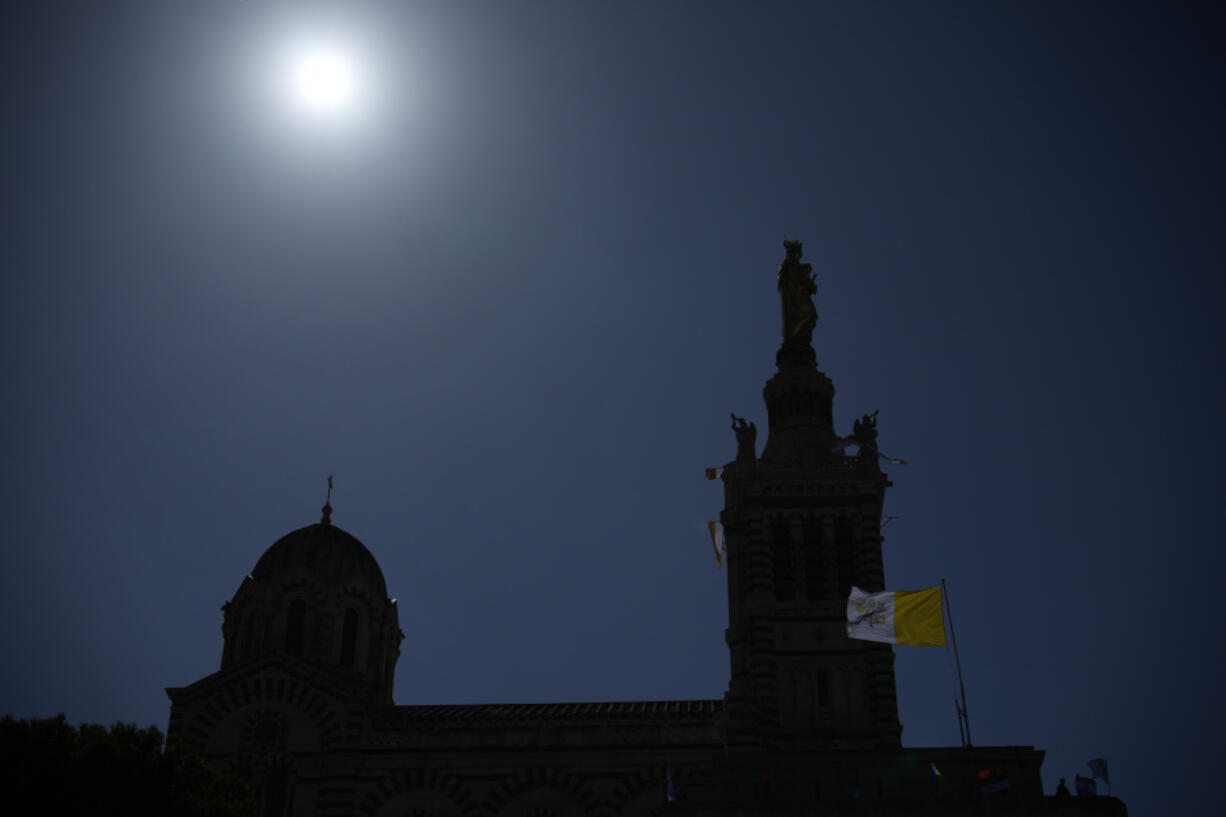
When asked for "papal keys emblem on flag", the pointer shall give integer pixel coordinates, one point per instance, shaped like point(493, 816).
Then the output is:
point(873, 611)
point(897, 617)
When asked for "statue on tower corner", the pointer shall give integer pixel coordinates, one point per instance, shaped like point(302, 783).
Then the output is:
point(864, 432)
point(797, 286)
point(746, 439)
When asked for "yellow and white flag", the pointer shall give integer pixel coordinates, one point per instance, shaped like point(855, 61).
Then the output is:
point(717, 539)
point(897, 617)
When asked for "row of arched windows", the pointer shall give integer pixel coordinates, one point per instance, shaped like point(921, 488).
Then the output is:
point(812, 555)
point(295, 635)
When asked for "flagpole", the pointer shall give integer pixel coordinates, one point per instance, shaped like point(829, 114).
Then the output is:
point(957, 663)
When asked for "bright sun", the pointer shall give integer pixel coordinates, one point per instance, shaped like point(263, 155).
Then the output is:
point(323, 79)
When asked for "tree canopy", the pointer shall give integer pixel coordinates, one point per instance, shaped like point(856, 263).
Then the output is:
point(91, 769)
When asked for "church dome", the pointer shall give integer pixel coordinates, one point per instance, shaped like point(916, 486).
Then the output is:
point(317, 596)
point(331, 555)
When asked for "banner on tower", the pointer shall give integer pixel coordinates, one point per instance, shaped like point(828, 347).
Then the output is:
point(717, 539)
point(911, 617)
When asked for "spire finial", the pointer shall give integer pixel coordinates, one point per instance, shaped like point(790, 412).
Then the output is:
point(327, 508)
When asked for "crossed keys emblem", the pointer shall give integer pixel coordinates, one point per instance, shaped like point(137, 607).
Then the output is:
point(873, 610)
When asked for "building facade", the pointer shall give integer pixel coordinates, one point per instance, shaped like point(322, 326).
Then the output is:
point(302, 703)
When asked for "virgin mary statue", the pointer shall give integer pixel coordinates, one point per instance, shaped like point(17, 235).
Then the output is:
point(797, 286)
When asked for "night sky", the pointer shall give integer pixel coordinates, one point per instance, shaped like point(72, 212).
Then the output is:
point(510, 297)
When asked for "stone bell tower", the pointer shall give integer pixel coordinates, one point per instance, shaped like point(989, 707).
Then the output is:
point(802, 524)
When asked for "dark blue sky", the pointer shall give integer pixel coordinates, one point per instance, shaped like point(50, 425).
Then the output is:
point(511, 309)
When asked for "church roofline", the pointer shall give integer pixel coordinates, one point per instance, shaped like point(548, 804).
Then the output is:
point(331, 682)
point(693, 711)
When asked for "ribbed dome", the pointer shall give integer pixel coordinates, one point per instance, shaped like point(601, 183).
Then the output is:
point(333, 555)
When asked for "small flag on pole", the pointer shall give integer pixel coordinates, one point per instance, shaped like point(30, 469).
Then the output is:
point(939, 784)
point(717, 539)
point(1098, 768)
point(912, 617)
point(993, 780)
point(715, 473)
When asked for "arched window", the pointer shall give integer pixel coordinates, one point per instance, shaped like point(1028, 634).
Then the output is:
point(294, 626)
point(349, 638)
point(249, 637)
point(855, 690)
point(845, 546)
point(781, 558)
point(815, 586)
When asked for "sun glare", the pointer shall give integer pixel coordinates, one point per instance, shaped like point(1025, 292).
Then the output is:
point(323, 79)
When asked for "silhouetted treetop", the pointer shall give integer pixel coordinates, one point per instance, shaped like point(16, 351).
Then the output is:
point(91, 769)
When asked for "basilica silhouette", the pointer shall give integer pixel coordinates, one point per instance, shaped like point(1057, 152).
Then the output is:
point(302, 702)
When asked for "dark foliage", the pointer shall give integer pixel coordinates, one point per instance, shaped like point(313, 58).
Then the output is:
point(61, 769)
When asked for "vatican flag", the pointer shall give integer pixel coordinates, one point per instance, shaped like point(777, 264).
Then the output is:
point(897, 617)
